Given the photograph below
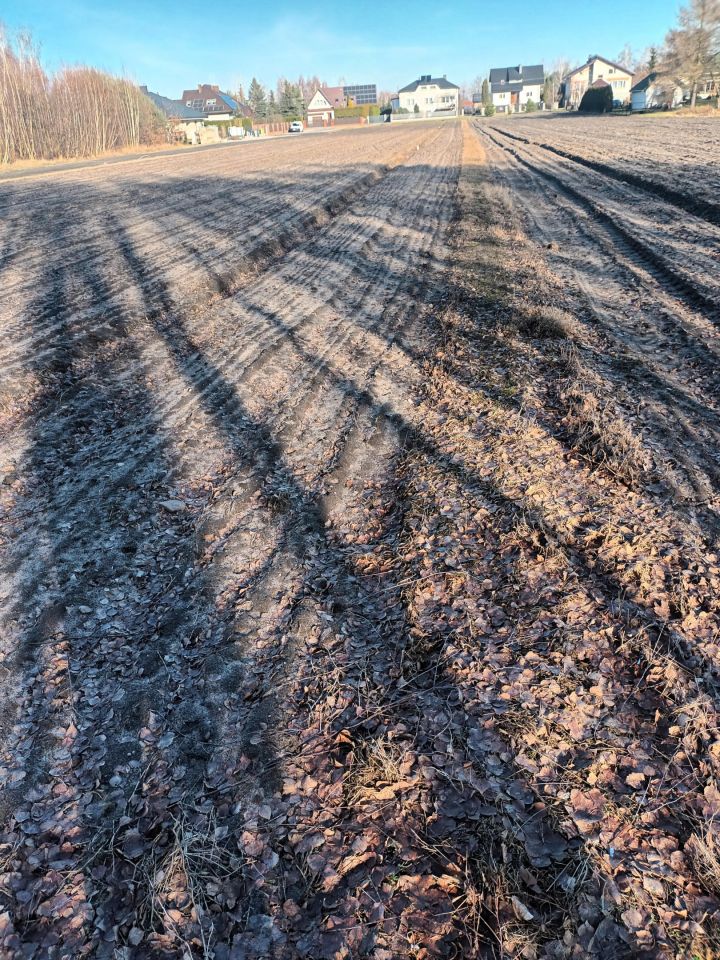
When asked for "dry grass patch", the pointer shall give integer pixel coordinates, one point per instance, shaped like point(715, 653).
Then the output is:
point(546, 323)
point(703, 849)
point(376, 764)
point(603, 436)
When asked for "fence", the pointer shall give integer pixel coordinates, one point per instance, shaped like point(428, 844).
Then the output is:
point(410, 117)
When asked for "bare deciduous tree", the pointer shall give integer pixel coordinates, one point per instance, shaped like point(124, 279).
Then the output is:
point(693, 47)
point(78, 112)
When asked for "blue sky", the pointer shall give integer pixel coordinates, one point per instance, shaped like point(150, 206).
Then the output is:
point(171, 44)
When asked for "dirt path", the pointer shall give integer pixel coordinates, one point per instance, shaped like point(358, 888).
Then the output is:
point(359, 584)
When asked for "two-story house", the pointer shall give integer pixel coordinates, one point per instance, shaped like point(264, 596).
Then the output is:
point(596, 68)
point(512, 87)
point(430, 96)
point(210, 100)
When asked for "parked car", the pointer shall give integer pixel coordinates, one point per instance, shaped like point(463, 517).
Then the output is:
point(296, 127)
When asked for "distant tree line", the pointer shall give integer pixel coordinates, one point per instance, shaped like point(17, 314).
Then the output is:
point(285, 102)
point(288, 99)
point(76, 112)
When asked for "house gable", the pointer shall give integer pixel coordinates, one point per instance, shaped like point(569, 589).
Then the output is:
point(595, 64)
point(335, 96)
point(319, 101)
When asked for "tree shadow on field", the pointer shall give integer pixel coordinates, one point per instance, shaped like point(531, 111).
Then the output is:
point(101, 619)
point(131, 651)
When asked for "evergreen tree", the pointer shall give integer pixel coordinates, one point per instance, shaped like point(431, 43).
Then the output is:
point(289, 101)
point(485, 94)
point(652, 58)
point(272, 109)
point(257, 100)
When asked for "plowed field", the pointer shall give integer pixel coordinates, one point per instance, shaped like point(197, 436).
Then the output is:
point(358, 578)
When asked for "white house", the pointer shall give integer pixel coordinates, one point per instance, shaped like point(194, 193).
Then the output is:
point(596, 68)
point(654, 92)
point(430, 97)
point(320, 110)
point(512, 87)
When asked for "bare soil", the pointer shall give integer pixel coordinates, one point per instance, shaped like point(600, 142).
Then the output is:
point(359, 590)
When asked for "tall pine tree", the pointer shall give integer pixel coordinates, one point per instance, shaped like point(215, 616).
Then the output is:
point(257, 100)
point(291, 102)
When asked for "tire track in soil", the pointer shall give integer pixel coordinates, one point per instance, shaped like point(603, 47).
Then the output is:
point(668, 352)
point(683, 285)
point(514, 459)
point(692, 205)
point(662, 152)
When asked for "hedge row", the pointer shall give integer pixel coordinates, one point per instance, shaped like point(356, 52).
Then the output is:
point(365, 110)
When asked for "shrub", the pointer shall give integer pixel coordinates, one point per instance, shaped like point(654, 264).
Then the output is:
point(417, 108)
point(530, 106)
point(597, 100)
point(364, 110)
point(490, 110)
point(546, 323)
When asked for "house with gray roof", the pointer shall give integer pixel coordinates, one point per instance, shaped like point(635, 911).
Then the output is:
point(186, 123)
point(512, 87)
point(430, 96)
point(655, 92)
point(213, 102)
point(173, 109)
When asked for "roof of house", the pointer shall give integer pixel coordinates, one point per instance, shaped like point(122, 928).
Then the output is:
point(533, 74)
point(611, 63)
point(210, 91)
point(502, 87)
point(334, 95)
point(441, 82)
point(645, 82)
point(174, 109)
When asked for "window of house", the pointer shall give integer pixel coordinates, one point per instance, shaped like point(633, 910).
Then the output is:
point(211, 103)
